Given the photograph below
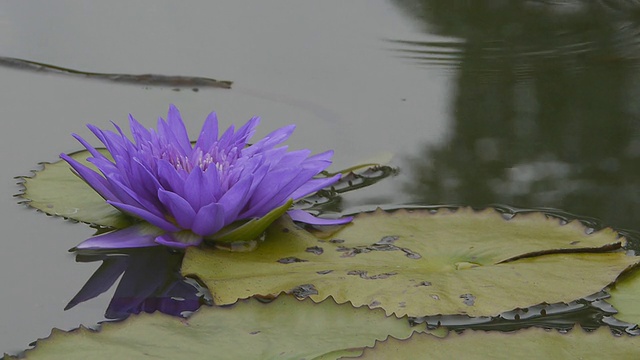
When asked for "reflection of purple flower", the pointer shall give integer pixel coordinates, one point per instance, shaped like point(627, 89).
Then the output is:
point(150, 281)
point(190, 192)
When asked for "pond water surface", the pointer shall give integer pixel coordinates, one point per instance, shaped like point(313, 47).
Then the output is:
point(529, 104)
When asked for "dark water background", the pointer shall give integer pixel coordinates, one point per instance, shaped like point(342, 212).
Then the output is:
point(523, 103)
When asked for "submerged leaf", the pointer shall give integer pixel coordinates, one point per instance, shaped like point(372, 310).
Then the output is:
point(533, 343)
point(285, 328)
point(176, 82)
point(56, 190)
point(416, 263)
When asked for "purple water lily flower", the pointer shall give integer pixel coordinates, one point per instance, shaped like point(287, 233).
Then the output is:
point(189, 192)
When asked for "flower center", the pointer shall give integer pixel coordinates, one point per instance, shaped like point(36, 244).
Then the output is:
point(221, 159)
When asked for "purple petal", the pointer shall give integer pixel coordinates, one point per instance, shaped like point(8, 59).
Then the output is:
point(98, 133)
point(319, 161)
point(305, 217)
point(273, 156)
point(226, 138)
point(123, 193)
point(145, 183)
point(130, 197)
point(265, 190)
point(192, 188)
point(91, 149)
point(209, 133)
point(169, 177)
point(325, 156)
point(258, 175)
point(179, 208)
point(177, 128)
point(314, 185)
point(103, 164)
point(140, 133)
point(247, 166)
point(124, 140)
point(114, 144)
point(276, 188)
point(122, 169)
point(92, 178)
point(211, 190)
point(179, 241)
point(274, 138)
point(146, 215)
point(135, 236)
point(169, 141)
point(235, 199)
point(209, 220)
point(294, 158)
point(245, 132)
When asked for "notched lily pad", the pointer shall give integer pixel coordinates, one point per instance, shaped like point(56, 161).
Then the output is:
point(56, 190)
point(625, 297)
point(285, 328)
point(417, 263)
point(533, 343)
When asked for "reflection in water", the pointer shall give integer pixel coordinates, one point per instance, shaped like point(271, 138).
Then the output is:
point(150, 282)
point(545, 110)
point(520, 32)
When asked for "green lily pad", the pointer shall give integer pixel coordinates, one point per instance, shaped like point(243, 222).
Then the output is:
point(285, 328)
point(56, 190)
point(417, 263)
point(533, 343)
point(625, 297)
